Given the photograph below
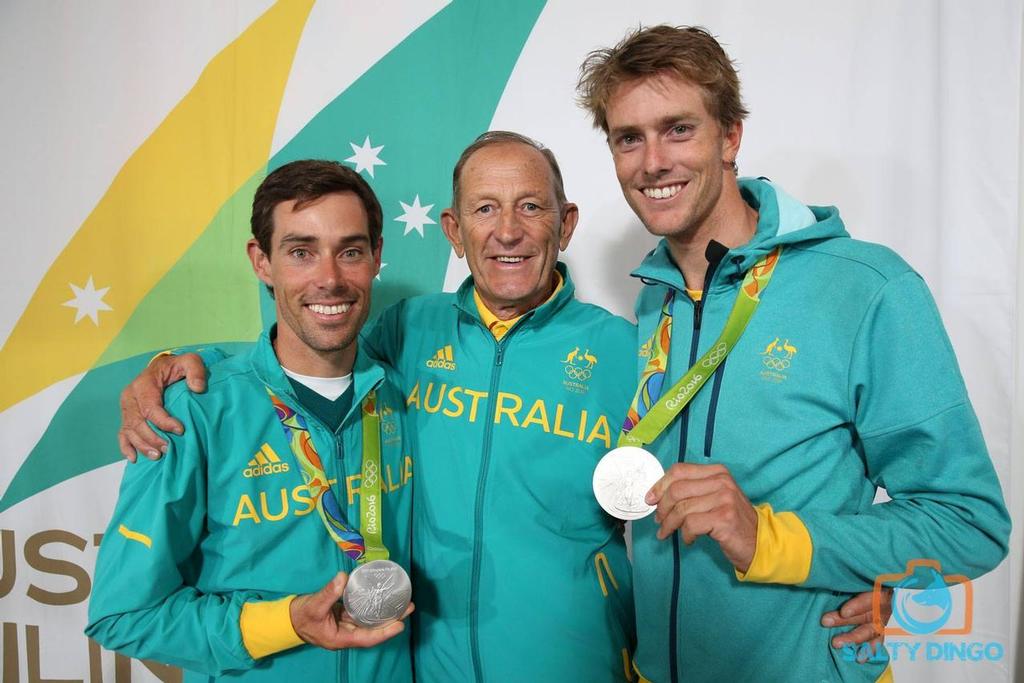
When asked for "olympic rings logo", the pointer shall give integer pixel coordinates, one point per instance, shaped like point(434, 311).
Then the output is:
point(574, 372)
point(389, 427)
point(716, 355)
point(776, 363)
point(369, 474)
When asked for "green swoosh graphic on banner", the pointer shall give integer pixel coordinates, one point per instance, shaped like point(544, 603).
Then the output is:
point(423, 101)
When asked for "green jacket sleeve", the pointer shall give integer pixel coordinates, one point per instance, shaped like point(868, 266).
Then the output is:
point(144, 602)
point(382, 340)
point(919, 439)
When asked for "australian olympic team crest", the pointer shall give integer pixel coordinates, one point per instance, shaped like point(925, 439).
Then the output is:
point(388, 425)
point(578, 368)
point(777, 359)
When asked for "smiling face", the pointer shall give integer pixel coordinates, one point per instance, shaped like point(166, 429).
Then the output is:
point(509, 226)
point(672, 157)
point(321, 268)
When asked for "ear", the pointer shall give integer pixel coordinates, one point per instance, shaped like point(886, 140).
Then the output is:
point(450, 226)
point(376, 255)
point(570, 216)
point(260, 262)
point(731, 143)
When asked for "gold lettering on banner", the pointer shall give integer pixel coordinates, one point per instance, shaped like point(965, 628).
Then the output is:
point(35, 559)
point(7, 563)
point(11, 661)
point(32, 652)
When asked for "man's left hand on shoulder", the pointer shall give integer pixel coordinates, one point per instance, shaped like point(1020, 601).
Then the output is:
point(701, 500)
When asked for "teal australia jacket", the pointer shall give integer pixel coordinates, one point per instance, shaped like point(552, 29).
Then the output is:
point(518, 574)
point(843, 382)
point(224, 524)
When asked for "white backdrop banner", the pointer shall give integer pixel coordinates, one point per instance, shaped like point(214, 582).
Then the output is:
point(134, 135)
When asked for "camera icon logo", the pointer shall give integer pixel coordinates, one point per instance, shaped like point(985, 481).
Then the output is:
point(925, 602)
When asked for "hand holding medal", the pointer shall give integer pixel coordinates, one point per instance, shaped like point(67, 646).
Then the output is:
point(319, 620)
point(703, 500)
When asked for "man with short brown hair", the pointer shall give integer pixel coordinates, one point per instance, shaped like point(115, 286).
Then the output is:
point(790, 404)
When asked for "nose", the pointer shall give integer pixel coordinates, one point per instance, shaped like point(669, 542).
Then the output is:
point(656, 160)
point(329, 274)
point(509, 231)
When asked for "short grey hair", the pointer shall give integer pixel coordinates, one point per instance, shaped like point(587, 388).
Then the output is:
point(497, 137)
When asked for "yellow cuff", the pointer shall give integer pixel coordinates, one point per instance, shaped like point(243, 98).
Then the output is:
point(784, 549)
point(886, 676)
point(267, 627)
point(167, 352)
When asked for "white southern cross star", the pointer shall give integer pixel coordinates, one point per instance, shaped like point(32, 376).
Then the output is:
point(88, 301)
point(415, 216)
point(382, 267)
point(366, 157)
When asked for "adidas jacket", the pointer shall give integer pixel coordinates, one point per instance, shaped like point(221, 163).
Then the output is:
point(844, 381)
point(518, 574)
point(225, 519)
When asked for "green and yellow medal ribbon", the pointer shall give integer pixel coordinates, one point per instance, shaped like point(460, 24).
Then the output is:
point(652, 408)
point(366, 543)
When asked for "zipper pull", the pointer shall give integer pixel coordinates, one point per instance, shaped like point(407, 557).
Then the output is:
point(500, 356)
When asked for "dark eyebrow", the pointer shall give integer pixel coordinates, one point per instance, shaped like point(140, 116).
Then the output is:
point(297, 239)
point(350, 240)
point(663, 122)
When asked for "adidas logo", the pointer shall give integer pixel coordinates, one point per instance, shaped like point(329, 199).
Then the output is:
point(265, 462)
point(442, 359)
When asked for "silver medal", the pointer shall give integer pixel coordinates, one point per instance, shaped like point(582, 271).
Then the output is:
point(377, 593)
point(623, 478)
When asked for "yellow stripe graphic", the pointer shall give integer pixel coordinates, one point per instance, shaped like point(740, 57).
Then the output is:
point(252, 463)
point(261, 459)
point(448, 352)
point(602, 560)
point(135, 536)
point(271, 455)
point(216, 138)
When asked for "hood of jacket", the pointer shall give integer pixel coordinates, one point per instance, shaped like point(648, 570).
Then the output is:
point(781, 220)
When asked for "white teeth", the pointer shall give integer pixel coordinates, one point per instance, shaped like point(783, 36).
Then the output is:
point(662, 192)
point(510, 259)
point(329, 310)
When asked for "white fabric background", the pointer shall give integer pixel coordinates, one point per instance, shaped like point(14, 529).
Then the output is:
point(906, 115)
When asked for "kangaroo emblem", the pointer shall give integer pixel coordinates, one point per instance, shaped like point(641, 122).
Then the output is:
point(771, 347)
point(572, 356)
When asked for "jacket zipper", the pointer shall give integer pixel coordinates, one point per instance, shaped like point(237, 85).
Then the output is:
point(684, 429)
point(478, 522)
point(714, 253)
point(344, 662)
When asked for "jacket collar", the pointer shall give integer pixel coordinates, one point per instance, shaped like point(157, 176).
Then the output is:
point(781, 220)
point(538, 316)
point(366, 374)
